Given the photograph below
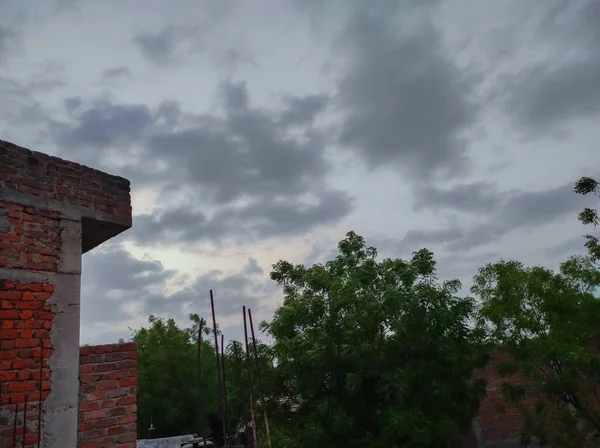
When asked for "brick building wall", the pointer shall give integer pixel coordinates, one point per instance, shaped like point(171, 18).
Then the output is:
point(25, 321)
point(107, 396)
point(497, 424)
point(51, 212)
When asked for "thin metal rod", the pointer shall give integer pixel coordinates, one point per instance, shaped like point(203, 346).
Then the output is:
point(223, 424)
point(224, 383)
point(39, 432)
point(252, 419)
point(24, 421)
point(15, 426)
point(258, 378)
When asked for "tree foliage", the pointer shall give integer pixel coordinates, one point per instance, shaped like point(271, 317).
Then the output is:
point(178, 388)
point(373, 353)
point(549, 324)
point(589, 216)
point(167, 392)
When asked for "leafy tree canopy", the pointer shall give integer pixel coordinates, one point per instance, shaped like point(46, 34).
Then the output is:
point(550, 325)
point(373, 353)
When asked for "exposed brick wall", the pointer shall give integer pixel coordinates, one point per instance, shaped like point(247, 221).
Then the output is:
point(51, 212)
point(29, 238)
point(39, 174)
point(107, 400)
point(25, 321)
point(496, 425)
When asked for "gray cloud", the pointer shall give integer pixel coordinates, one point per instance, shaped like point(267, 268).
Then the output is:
point(233, 59)
point(302, 111)
point(230, 292)
point(505, 212)
point(112, 74)
point(260, 219)
point(573, 246)
point(113, 278)
point(22, 114)
point(158, 47)
point(102, 125)
point(117, 287)
point(564, 87)
point(547, 96)
point(245, 155)
point(119, 270)
point(6, 36)
point(475, 197)
point(404, 99)
point(252, 267)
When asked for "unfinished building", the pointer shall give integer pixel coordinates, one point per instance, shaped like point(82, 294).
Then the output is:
point(53, 211)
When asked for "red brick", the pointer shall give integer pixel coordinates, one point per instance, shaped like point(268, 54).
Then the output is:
point(7, 344)
point(19, 364)
point(126, 382)
point(106, 385)
point(9, 334)
point(7, 284)
point(9, 314)
point(29, 324)
point(8, 354)
point(29, 287)
point(10, 295)
point(7, 324)
point(28, 295)
point(23, 386)
point(27, 343)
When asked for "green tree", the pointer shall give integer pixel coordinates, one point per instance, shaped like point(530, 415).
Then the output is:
point(589, 216)
point(199, 329)
point(167, 392)
point(549, 324)
point(372, 353)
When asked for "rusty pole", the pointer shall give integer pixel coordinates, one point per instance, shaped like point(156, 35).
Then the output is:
point(39, 432)
point(224, 382)
point(24, 421)
point(223, 424)
point(252, 419)
point(258, 377)
point(15, 426)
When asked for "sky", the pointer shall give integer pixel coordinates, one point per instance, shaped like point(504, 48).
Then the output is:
point(258, 131)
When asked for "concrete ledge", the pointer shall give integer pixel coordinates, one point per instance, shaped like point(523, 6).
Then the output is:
point(100, 200)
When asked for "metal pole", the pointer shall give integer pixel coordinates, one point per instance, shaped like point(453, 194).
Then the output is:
point(252, 419)
point(39, 433)
point(258, 375)
point(24, 421)
point(224, 382)
point(223, 424)
point(15, 426)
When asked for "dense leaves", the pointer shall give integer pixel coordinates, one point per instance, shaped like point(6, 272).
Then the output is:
point(589, 216)
point(549, 324)
point(178, 388)
point(167, 392)
point(373, 353)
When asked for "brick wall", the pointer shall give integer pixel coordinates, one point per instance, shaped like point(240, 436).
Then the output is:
point(107, 399)
point(497, 423)
point(29, 238)
point(89, 195)
point(41, 175)
point(25, 346)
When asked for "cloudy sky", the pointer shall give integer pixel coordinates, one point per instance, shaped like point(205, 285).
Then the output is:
point(254, 131)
